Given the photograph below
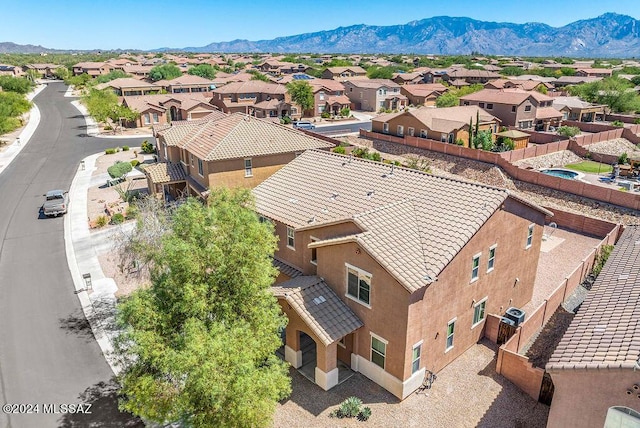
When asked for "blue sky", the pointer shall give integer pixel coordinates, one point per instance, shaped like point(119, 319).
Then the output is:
point(99, 24)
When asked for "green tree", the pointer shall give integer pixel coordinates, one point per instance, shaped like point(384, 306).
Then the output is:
point(198, 345)
point(32, 75)
point(112, 75)
point(105, 108)
point(203, 70)
point(615, 92)
point(61, 73)
point(568, 131)
point(258, 76)
point(164, 72)
point(448, 99)
point(80, 81)
point(635, 80)
point(302, 94)
point(19, 85)
point(12, 106)
point(380, 72)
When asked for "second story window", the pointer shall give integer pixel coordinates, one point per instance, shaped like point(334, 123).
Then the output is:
point(416, 352)
point(527, 108)
point(492, 258)
point(358, 285)
point(291, 238)
point(489, 106)
point(475, 269)
point(200, 168)
point(314, 252)
point(529, 236)
point(451, 328)
point(248, 168)
point(513, 109)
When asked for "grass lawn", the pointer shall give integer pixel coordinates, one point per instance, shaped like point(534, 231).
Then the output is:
point(590, 167)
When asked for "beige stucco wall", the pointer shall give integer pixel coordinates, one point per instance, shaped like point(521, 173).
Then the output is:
point(230, 173)
point(583, 397)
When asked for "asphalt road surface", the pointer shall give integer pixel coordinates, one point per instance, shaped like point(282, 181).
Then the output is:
point(48, 355)
point(342, 129)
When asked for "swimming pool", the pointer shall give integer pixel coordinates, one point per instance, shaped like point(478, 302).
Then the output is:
point(562, 173)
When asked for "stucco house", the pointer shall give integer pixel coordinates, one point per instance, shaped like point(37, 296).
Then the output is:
point(516, 107)
point(392, 271)
point(345, 73)
point(596, 366)
point(447, 125)
point(164, 108)
point(256, 98)
point(328, 95)
point(229, 150)
point(375, 94)
point(424, 94)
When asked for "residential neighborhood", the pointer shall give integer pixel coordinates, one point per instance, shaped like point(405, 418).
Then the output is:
point(283, 238)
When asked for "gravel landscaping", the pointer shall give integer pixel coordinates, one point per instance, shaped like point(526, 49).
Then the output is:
point(614, 147)
point(556, 159)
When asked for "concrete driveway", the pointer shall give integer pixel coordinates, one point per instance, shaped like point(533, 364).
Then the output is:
point(47, 352)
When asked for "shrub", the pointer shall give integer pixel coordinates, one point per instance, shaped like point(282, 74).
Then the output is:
point(102, 221)
point(285, 120)
point(132, 212)
point(125, 148)
point(623, 158)
point(617, 123)
point(460, 142)
point(110, 151)
point(568, 131)
point(601, 259)
point(147, 147)
point(325, 115)
point(346, 112)
point(117, 218)
point(350, 407)
point(636, 121)
point(135, 163)
point(364, 414)
point(119, 169)
point(340, 150)
point(108, 128)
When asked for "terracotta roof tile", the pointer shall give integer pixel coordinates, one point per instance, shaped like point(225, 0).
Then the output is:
point(605, 332)
point(433, 216)
point(165, 172)
point(505, 96)
point(319, 306)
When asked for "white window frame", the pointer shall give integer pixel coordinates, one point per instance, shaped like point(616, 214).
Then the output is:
point(312, 260)
point(527, 108)
point(482, 303)
point(450, 335)
point(385, 128)
point(411, 131)
point(491, 261)
point(475, 269)
point(200, 168)
point(147, 118)
point(400, 131)
point(530, 231)
point(248, 168)
point(415, 359)
point(155, 117)
point(423, 133)
point(291, 238)
point(384, 356)
point(361, 273)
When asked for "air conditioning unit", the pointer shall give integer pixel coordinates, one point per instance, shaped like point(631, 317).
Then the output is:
point(516, 315)
point(507, 321)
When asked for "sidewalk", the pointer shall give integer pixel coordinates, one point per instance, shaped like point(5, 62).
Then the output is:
point(10, 152)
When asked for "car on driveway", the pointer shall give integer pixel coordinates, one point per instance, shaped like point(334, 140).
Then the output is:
point(303, 124)
point(56, 203)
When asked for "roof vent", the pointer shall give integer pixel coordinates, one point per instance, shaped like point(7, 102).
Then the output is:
point(312, 220)
point(393, 166)
point(370, 193)
point(623, 277)
point(293, 200)
point(319, 299)
point(325, 210)
point(600, 329)
point(333, 196)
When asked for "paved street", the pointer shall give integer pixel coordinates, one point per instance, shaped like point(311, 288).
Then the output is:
point(341, 129)
point(47, 352)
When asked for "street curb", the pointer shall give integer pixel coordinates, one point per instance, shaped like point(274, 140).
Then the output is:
point(92, 126)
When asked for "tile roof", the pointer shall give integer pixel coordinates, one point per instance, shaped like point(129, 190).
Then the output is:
point(572, 102)
point(128, 82)
point(286, 268)
point(251, 86)
point(424, 89)
point(373, 83)
point(165, 172)
point(446, 119)
point(605, 332)
point(328, 84)
point(319, 306)
point(353, 68)
point(338, 99)
point(412, 222)
point(547, 113)
point(505, 96)
point(239, 135)
point(188, 79)
point(463, 73)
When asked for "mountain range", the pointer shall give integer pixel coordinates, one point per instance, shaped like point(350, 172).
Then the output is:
point(608, 35)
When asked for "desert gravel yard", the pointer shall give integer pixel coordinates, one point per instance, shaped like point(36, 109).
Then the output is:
point(467, 393)
point(615, 147)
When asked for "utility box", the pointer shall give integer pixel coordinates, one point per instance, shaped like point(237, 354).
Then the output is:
point(516, 315)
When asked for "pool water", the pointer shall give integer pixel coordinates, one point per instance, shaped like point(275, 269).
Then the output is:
point(563, 173)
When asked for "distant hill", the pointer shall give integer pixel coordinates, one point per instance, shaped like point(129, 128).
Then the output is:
point(609, 35)
point(9, 47)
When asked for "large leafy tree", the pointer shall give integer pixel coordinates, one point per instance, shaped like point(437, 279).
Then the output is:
point(20, 85)
point(451, 98)
point(614, 92)
point(105, 108)
point(112, 75)
point(164, 72)
point(12, 106)
point(301, 93)
point(203, 70)
point(199, 343)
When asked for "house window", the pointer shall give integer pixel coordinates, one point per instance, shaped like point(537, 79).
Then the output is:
point(423, 133)
point(321, 96)
point(478, 312)
point(411, 131)
point(191, 156)
point(200, 168)
point(465, 103)
point(416, 352)
point(443, 137)
point(291, 238)
point(248, 168)
point(489, 106)
point(147, 119)
point(385, 128)
point(314, 253)
point(321, 109)
point(513, 109)
point(529, 236)
point(155, 117)
point(358, 284)
point(400, 130)
point(481, 105)
point(527, 108)
point(451, 328)
point(378, 350)
point(475, 269)
point(492, 258)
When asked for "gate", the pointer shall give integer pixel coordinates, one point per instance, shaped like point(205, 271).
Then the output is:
point(546, 390)
point(505, 331)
